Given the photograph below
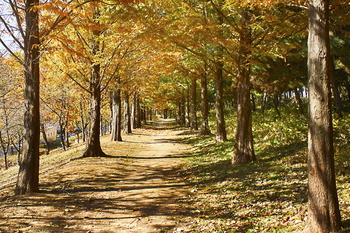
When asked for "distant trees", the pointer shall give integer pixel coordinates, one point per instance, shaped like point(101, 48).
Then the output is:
point(59, 98)
point(11, 111)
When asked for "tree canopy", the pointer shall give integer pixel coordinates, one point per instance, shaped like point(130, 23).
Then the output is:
point(82, 61)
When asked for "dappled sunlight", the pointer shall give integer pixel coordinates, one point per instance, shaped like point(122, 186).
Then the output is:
point(135, 187)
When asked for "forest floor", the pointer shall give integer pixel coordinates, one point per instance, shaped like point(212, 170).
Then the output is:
point(166, 179)
point(135, 189)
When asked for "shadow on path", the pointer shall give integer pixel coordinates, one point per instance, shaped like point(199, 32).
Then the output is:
point(136, 193)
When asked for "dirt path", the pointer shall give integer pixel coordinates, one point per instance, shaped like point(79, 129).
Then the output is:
point(135, 189)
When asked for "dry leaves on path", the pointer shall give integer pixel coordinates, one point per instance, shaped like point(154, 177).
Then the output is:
point(134, 189)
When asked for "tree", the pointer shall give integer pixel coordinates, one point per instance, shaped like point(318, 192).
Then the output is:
point(127, 113)
point(116, 109)
point(204, 129)
point(323, 206)
point(11, 103)
point(244, 149)
point(28, 175)
point(23, 30)
point(58, 96)
point(221, 134)
point(93, 145)
point(193, 105)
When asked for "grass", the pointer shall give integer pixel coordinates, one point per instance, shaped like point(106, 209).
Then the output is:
point(268, 195)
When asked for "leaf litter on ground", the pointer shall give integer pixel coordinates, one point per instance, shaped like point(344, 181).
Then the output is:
point(269, 195)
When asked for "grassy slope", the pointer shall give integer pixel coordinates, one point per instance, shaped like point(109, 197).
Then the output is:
point(269, 195)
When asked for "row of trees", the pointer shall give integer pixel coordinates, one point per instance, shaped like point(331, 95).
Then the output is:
point(94, 54)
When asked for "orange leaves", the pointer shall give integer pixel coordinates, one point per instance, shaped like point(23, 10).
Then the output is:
point(126, 2)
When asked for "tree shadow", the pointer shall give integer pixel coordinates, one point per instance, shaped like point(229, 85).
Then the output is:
point(81, 198)
point(106, 194)
point(274, 185)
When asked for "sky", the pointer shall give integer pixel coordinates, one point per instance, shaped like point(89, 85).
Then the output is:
point(5, 13)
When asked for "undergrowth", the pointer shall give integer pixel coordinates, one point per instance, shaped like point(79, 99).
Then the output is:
point(268, 195)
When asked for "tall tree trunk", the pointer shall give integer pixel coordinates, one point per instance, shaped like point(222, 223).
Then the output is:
point(194, 123)
point(335, 88)
point(127, 113)
point(264, 102)
point(204, 130)
point(62, 134)
point(66, 138)
point(116, 116)
point(221, 135)
point(275, 105)
point(323, 206)
point(66, 130)
point(299, 101)
point(182, 111)
point(28, 175)
point(4, 147)
point(188, 108)
point(244, 148)
point(149, 113)
point(83, 123)
point(133, 112)
point(5, 161)
point(347, 86)
point(137, 112)
point(46, 142)
point(253, 102)
point(93, 145)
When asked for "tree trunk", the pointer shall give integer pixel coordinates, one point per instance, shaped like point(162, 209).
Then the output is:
point(264, 102)
point(137, 115)
point(221, 135)
point(4, 147)
point(204, 130)
point(182, 110)
point(127, 114)
point(93, 145)
point(83, 124)
point(28, 175)
point(335, 88)
point(143, 114)
point(5, 161)
point(46, 142)
point(253, 102)
point(62, 134)
point(133, 112)
point(116, 116)
point(347, 86)
point(188, 108)
point(323, 206)
point(66, 138)
point(299, 101)
point(244, 148)
point(18, 147)
point(275, 105)
point(194, 123)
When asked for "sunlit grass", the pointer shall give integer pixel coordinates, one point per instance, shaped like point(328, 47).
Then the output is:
point(268, 195)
